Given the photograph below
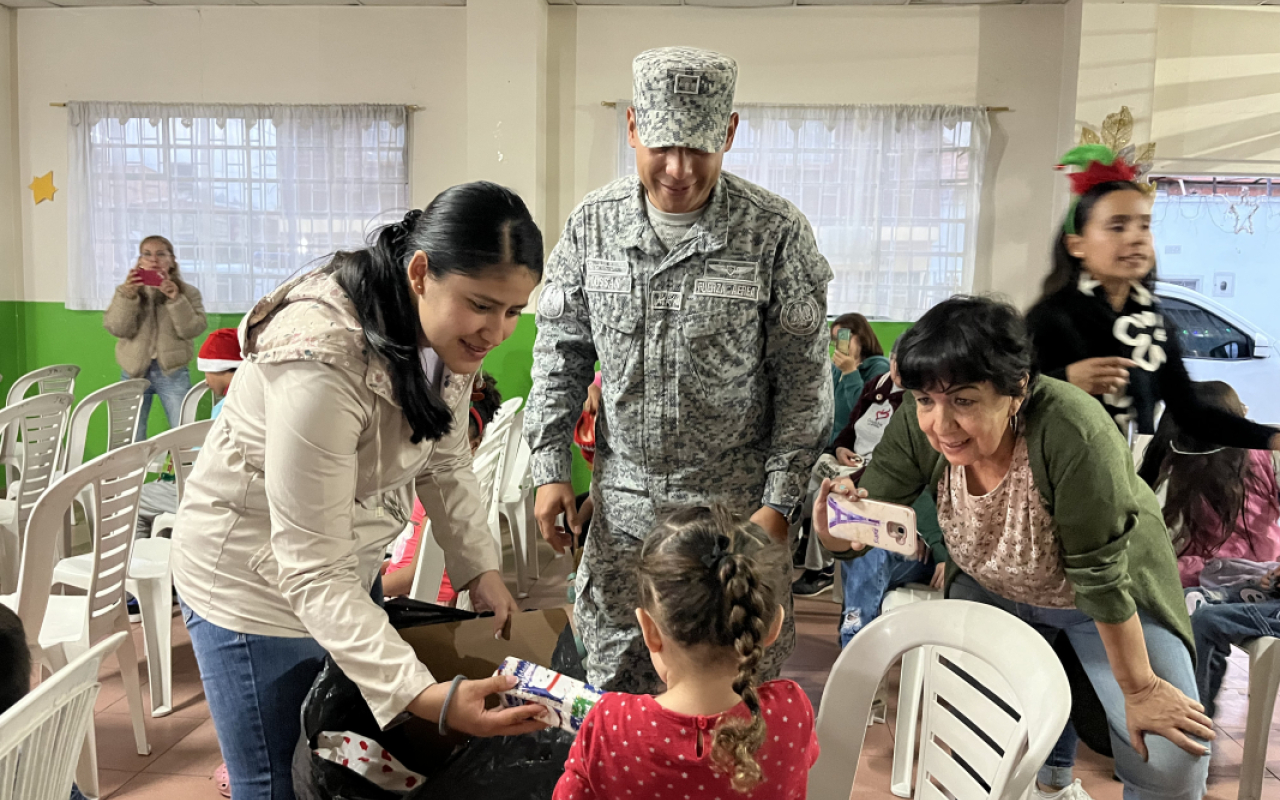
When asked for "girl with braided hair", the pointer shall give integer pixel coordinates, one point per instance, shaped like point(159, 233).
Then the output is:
point(711, 592)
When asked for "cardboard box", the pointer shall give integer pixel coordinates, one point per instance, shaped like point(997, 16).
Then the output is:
point(468, 648)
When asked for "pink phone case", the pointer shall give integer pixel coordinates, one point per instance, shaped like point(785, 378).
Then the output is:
point(885, 525)
point(150, 277)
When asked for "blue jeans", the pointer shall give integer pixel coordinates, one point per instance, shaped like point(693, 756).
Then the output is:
point(1218, 626)
point(866, 581)
point(1170, 773)
point(171, 388)
point(255, 686)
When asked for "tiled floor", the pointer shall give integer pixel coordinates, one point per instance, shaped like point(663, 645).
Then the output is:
point(184, 749)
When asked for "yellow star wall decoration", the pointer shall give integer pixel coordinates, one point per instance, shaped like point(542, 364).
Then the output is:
point(42, 188)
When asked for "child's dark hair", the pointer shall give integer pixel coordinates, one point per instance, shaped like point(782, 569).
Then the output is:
point(712, 579)
point(467, 229)
point(1066, 267)
point(487, 406)
point(15, 660)
point(1202, 478)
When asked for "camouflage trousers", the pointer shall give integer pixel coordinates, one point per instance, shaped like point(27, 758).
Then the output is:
point(605, 614)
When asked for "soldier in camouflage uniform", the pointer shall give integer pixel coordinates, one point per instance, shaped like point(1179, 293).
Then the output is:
point(703, 296)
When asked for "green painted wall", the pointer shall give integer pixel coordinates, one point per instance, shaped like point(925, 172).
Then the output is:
point(35, 335)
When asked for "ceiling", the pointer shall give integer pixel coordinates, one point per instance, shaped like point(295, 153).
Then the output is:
point(743, 4)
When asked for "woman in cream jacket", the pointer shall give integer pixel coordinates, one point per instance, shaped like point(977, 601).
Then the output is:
point(353, 396)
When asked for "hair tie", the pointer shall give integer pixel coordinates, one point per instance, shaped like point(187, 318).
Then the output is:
point(475, 415)
point(718, 552)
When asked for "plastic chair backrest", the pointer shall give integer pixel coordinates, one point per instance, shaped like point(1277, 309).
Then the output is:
point(41, 421)
point(47, 380)
point(115, 483)
point(191, 403)
point(41, 735)
point(515, 469)
point(1020, 709)
point(124, 404)
point(182, 445)
point(493, 448)
point(429, 574)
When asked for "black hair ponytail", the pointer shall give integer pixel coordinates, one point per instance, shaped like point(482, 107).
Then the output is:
point(467, 229)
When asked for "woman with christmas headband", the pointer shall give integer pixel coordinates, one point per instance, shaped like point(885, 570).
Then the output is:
point(1099, 324)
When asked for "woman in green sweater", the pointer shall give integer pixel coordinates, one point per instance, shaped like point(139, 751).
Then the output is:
point(1044, 516)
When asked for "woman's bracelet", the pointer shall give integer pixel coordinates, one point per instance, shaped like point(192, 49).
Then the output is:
point(448, 698)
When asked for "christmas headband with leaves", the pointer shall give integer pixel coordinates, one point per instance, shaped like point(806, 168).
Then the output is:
point(1107, 156)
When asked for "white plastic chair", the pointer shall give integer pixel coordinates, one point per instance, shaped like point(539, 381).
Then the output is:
point(428, 574)
point(191, 403)
point(124, 404)
point(910, 688)
point(41, 420)
point(970, 645)
point(1264, 681)
point(150, 579)
point(42, 735)
point(513, 499)
point(488, 461)
point(47, 380)
point(60, 627)
point(181, 451)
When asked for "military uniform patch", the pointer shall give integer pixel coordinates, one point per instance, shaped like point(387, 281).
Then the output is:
point(551, 302)
point(801, 317)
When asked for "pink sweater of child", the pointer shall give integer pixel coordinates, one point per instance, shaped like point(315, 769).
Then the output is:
point(1260, 518)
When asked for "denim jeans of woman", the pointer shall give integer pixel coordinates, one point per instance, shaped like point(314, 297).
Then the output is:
point(255, 686)
point(1169, 773)
point(171, 388)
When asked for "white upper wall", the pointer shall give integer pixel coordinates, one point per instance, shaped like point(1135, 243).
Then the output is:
point(1217, 97)
point(230, 54)
point(784, 55)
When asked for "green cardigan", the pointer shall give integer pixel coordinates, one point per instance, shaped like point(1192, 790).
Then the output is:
point(1116, 550)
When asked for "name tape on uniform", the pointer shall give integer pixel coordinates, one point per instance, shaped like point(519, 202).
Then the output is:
point(733, 290)
point(666, 301)
point(599, 282)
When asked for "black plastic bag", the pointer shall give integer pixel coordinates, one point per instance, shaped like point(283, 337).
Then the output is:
point(507, 768)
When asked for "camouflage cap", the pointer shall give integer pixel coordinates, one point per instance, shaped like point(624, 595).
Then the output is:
point(683, 97)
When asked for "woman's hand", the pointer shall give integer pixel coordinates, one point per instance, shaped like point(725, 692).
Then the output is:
point(132, 283)
point(939, 579)
point(489, 593)
point(1099, 376)
point(845, 362)
point(169, 288)
point(846, 487)
point(1159, 708)
point(467, 712)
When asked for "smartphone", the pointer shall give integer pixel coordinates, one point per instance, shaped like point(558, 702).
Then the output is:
point(150, 277)
point(888, 526)
point(842, 340)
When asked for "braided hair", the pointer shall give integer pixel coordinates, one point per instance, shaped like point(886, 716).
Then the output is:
point(467, 229)
point(711, 578)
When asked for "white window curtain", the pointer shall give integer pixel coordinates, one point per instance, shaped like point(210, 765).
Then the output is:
point(248, 194)
point(892, 193)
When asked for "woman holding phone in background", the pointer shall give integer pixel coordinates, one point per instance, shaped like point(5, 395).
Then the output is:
point(156, 316)
point(858, 359)
point(1045, 517)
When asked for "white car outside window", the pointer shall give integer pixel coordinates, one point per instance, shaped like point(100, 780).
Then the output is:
point(1219, 345)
